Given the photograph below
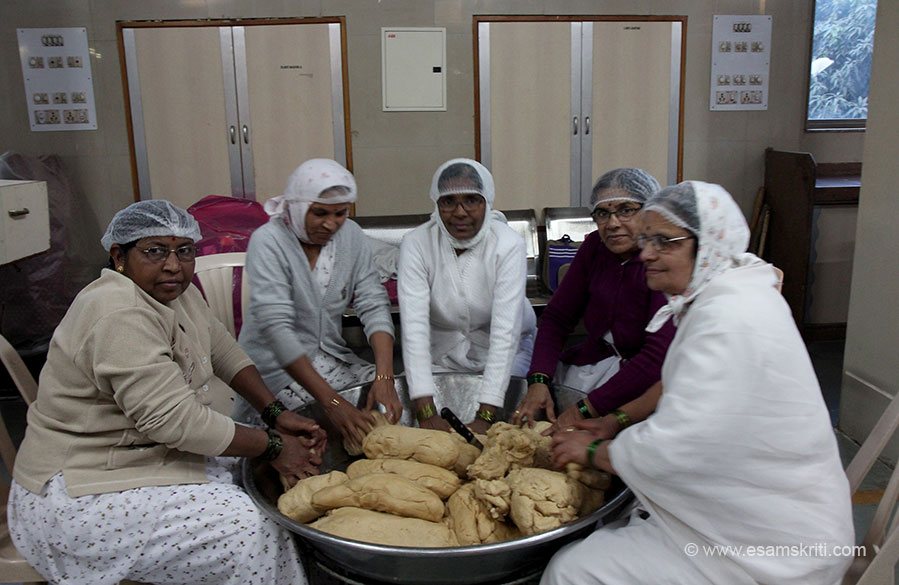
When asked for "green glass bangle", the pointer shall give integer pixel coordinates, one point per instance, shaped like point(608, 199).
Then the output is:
point(584, 409)
point(486, 415)
point(272, 411)
point(425, 412)
point(624, 420)
point(274, 447)
point(591, 451)
point(538, 378)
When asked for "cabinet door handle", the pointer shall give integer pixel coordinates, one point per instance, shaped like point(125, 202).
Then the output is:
point(574, 121)
point(18, 212)
point(246, 134)
point(587, 125)
point(233, 132)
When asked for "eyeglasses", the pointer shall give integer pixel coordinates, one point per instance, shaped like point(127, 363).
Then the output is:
point(186, 253)
point(468, 202)
point(623, 214)
point(661, 243)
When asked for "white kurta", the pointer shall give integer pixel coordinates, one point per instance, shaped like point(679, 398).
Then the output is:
point(740, 452)
point(465, 312)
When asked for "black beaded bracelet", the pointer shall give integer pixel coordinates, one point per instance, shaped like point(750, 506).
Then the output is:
point(271, 412)
point(538, 378)
point(274, 446)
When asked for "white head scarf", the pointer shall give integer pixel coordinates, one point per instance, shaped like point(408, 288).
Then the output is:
point(465, 185)
point(314, 181)
point(722, 235)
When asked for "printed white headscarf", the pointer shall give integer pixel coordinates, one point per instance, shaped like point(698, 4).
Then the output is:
point(464, 187)
point(722, 235)
point(311, 182)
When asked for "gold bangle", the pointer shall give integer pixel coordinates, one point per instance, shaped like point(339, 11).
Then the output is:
point(387, 377)
point(335, 401)
point(486, 415)
point(425, 412)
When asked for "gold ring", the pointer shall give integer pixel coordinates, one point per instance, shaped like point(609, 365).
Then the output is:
point(517, 412)
point(569, 429)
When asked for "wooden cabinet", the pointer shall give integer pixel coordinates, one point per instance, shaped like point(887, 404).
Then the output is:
point(562, 99)
point(794, 185)
point(25, 221)
point(232, 107)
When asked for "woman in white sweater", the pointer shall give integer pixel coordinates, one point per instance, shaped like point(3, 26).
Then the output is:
point(461, 285)
point(305, 266)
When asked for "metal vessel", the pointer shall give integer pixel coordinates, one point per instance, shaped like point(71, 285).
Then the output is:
point(487, 563)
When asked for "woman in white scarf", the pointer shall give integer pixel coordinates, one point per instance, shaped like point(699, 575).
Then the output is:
point(461, 285)
point(305, 266)
point(739, 452)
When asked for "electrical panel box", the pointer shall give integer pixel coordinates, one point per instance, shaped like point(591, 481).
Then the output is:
point(25, 221)
point(741, 59)
point(413, 69)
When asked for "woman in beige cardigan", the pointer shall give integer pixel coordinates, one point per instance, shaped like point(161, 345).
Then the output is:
point(120, 475)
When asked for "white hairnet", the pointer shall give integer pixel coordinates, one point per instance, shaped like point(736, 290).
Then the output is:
point(461, 176)
point(145, 219)
point(722, 235)
point(624, 184)
point(318, 180)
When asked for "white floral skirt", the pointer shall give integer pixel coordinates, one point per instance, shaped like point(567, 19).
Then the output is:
point(181, 534)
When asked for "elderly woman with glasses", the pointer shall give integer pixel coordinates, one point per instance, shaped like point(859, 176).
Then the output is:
point(461, 285)
point(736, 473)
point(606, 288)
point(306, 265)
point(119, 474)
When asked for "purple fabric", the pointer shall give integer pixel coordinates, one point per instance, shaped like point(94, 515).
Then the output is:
point(609, 296)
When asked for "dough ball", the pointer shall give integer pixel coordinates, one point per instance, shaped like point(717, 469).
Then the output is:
point(383, 492)
point(543, 499)
point(423, 445)
point(296, 503)
point(442, 482)
point(386, 529)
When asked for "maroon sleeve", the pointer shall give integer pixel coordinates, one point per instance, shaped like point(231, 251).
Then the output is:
point(564, 310)
point(637, 374)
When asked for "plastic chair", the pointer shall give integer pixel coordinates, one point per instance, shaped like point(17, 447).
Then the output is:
point(881, 544)
point(216, 275)
point(18, 371)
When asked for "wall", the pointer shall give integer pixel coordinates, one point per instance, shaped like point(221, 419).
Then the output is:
point(871, 370)
point(396, 153)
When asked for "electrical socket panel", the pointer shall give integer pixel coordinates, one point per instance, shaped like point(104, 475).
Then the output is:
point(726, 97)
point(52, 116)
point(54, 63)
point(73, 61)
point(60, 97)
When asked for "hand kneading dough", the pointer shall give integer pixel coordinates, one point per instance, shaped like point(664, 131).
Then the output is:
point(424, 445)
point(296, 503)
point(387, 529)
point(384, 492)
point(543, 499)
point(471, 521)
point(352, 447)
point(442, 482)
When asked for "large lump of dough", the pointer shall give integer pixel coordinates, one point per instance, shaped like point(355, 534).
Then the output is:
point(384, 492)
point(542, 499)
point(386, 529)
point(507, 447)
point(296, 503)
point(423, 445)
point(442, 482)
point(471, 519)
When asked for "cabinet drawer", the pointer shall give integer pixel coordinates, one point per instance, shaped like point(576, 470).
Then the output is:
point(24, 219)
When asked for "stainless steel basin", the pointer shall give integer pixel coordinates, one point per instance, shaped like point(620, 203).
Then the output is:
point(428, 566)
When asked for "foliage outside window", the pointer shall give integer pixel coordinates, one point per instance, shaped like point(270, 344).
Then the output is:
point(842, 45)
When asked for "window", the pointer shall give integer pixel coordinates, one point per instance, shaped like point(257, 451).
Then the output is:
point(842, 45)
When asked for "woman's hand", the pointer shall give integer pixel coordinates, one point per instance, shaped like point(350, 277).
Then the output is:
point(297, 459)
point(537, 399)
point(569, 418)
point(570, 446)
point(352, 423)
point(384, 392)
point(604, 427)
point(290, 423)
point(434, 422)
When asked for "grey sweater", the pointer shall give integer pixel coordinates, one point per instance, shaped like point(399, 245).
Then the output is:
point(289, 318)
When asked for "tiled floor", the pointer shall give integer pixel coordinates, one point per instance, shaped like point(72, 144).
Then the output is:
point(827, 358)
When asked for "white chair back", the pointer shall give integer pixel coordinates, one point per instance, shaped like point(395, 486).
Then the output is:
point(216, 275)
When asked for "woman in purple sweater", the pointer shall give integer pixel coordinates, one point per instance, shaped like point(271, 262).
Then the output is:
point(606, 287)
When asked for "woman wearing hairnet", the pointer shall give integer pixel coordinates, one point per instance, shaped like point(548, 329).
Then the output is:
point(305, 266)
point(606, 288)
point(740, 452)
point(461, 284)
point(118, 475)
